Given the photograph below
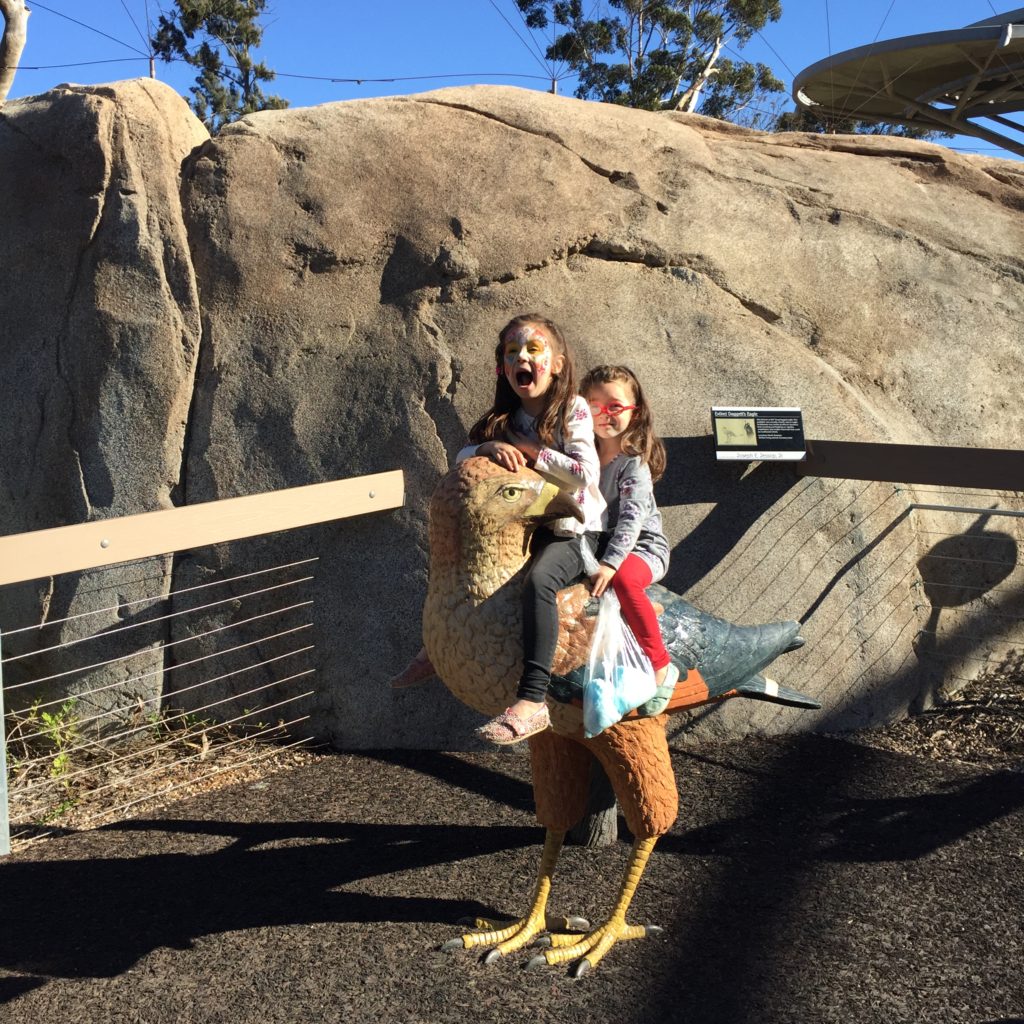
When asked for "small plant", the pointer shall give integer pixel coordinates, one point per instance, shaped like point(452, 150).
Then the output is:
point(60, 728)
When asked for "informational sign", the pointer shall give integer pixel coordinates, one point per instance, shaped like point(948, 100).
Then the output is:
point(755, 434)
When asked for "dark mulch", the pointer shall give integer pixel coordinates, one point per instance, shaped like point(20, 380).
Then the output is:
point(807, 880)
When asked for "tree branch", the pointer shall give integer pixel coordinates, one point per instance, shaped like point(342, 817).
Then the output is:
point(689, 99)
point(15, 15)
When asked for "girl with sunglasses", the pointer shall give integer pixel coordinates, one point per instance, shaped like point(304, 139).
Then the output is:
point(633, 552)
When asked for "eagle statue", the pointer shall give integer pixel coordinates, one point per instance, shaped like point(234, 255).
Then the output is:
point(482, 518)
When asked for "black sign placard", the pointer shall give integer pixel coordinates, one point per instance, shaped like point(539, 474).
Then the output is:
point(754, 434)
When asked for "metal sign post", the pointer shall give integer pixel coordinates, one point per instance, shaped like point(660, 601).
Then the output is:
point(5, 823)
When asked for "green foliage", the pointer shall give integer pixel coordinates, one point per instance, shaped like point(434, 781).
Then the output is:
point(803, 120)
point(37, 736)
point(217, 37)
point(658, 55)
point(60, 730)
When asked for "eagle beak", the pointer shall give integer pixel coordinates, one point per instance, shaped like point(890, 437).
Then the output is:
point(553, 503)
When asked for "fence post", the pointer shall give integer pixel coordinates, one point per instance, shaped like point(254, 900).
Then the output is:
point(5, 823)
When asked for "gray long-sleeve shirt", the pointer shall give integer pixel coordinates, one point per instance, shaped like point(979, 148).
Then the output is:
point(632, 520)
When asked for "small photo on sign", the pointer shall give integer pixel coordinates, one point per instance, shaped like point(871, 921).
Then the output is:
point(758, 434)
point(739, 432)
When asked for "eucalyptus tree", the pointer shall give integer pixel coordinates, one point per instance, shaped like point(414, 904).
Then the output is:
point(218, 37)
point(659, 54)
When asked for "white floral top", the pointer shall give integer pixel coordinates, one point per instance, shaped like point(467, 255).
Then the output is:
point(573, 465)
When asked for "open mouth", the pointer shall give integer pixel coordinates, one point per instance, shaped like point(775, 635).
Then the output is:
point(524, 378)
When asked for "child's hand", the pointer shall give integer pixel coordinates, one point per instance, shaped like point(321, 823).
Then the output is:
point(504, 454)
point(529, 448)
point(599, 580)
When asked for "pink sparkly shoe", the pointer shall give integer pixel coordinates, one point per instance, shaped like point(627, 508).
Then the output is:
point(508, 728)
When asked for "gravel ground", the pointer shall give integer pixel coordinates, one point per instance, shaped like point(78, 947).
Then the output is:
point(807, 880)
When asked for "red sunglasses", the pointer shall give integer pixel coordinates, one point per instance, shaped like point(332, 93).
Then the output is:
point(610, 410)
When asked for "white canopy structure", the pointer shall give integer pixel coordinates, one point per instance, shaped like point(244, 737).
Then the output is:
point(944, 81)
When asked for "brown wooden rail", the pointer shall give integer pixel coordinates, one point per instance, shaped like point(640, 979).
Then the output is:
point(989, 468)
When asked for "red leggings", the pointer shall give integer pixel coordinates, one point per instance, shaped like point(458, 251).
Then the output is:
point(629, 583)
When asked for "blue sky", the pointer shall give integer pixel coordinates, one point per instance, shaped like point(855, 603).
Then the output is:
point(458, 41)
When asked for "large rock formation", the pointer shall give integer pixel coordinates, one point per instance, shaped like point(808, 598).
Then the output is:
point(353, 264)
point(101, 335)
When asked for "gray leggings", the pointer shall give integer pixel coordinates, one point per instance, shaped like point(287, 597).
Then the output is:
point(555, 562)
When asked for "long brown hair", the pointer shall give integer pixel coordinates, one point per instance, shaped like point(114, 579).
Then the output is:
point(558, 399)
point(639, 437)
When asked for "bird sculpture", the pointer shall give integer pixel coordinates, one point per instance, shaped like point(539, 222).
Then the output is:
point(482, 517)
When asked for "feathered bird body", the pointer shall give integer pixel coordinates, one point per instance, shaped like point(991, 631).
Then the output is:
point(482, 518)
point(480, 526)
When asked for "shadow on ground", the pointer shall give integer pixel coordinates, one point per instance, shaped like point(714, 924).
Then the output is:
point(97, 917)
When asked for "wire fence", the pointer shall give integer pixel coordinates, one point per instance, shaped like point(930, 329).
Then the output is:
point(904, 594)
point(186, 677)
point(87, 743)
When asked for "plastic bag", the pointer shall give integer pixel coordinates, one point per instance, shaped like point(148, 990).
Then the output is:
point(619, 675)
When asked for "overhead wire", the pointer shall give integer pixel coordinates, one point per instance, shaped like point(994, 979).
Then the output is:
point(792, 73)
point(831, 72)
point(860, 68)
point(82, 24)
point(533, 39)
point(551, 72)
point(287, 74)
point(530, 50)
point(145, 42)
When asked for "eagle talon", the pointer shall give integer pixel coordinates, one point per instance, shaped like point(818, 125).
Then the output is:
point(580, 968)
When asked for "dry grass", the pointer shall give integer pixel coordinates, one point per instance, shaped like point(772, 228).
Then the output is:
point(59, 779)
point(982, 724)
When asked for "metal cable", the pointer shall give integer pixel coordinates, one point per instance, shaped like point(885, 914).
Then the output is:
point(136, 625)
point(153, 769)
point(162, 597)
point(173, 718)
point(141, 702)
point(192, 782)
point(185, 734)
point(82, 24)
point(163, 669)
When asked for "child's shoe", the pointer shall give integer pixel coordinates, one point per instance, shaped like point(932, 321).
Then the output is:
point(508, 728)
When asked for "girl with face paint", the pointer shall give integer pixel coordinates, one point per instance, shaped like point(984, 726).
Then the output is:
point(537, 420)
point(633, 552)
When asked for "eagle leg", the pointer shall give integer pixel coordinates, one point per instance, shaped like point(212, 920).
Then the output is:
point(589, 949)
point(522, 932)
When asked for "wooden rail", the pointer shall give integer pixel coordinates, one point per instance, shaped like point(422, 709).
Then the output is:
point(42, 553)
point(998, 469)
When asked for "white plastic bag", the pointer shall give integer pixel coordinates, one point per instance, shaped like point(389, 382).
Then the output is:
point(619, 676)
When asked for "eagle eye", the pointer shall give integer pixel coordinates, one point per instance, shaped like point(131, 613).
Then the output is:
point(511, 493)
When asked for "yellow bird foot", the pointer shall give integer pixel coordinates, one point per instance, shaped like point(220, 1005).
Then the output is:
point(516, 934)
point(589, 949)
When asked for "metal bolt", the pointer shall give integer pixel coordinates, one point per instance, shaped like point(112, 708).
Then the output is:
point(104, 543)
point(373, 494)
